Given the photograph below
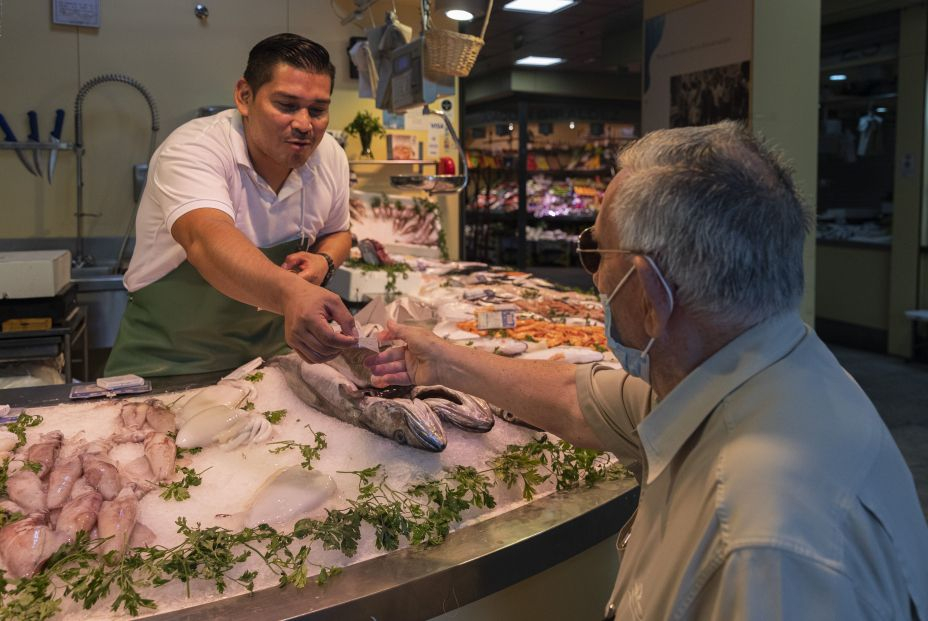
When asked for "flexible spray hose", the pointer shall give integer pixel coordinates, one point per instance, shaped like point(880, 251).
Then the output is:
point(80, 259)
point(112, 77)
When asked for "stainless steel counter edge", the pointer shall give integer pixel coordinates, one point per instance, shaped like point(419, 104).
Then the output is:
point(417, 583)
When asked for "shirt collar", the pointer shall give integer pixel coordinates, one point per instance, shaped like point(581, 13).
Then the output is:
point(674, 419)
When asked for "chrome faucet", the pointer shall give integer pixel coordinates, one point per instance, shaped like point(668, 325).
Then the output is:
point(80, 259)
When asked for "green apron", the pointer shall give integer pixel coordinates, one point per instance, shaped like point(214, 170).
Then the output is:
point(181, 325)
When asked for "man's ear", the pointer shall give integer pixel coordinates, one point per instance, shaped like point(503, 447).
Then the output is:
point(658, 305)
point(243, 96)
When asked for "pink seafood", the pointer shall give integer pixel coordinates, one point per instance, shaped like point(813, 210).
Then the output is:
point(81, 487)
point(45, 451)
point(138, 473)
point(61, 479)
point(133, 413)
point(156, 414)
point(25, 489)
point(117, 519)
point(26, 544)
point(79, 514)
point(101, 474)
point(161, 453)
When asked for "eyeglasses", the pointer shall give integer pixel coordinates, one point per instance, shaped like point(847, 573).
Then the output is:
point(590, 254)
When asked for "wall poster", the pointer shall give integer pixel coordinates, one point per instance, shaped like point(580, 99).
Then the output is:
point(697, 66)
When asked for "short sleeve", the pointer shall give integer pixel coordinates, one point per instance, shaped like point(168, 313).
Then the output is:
point(613, 403)
point(339, 218)
point(191, 175)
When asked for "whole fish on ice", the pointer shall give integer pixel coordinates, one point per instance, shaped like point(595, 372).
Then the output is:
point(460, 409)
point(407, 421)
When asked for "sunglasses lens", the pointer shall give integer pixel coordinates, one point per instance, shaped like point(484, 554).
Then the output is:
point(588, 260)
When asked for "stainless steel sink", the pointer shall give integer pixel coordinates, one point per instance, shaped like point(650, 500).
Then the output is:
point(102, 293)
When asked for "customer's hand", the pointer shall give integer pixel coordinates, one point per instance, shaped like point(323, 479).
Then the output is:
point(417, 362)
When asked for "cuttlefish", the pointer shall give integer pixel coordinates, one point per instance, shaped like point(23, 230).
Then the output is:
point(26, 544)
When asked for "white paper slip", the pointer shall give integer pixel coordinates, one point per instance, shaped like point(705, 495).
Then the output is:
point(120, 381)
point(369, 342)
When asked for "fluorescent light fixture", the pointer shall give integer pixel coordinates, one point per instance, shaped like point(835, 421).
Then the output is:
point(538, 6)
point(459, 15)
point(837, 77)
point(539, 61)
point(881, 110)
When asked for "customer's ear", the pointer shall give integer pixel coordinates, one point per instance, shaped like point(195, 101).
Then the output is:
point(658, 304)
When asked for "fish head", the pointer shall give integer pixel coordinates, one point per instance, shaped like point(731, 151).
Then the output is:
point(407, 421)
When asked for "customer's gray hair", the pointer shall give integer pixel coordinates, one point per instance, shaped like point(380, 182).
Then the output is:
point(717, 210)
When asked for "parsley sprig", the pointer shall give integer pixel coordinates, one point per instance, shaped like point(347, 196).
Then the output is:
point(19, 426)
point(180, 490)
point(310, 452)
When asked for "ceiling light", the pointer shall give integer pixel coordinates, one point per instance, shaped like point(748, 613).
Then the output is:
point(461, 10)
point(459, 15)
point(539, 61)
point(538, 6)
point(881, 110)
point(837, 77)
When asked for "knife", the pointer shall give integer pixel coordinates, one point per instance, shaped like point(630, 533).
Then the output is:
point(34, 137)
point(55, 138)
point(9, 136)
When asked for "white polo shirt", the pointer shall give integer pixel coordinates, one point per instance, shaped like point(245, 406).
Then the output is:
point(205, 164)
point(771, 489)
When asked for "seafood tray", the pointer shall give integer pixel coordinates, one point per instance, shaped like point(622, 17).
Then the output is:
point(119, 461)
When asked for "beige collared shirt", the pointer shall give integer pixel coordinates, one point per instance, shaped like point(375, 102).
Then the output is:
point(771, 489)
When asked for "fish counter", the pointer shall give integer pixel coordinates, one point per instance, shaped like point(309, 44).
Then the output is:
point(200, 499)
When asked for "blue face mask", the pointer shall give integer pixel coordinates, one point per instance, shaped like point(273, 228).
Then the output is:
point(636, 362)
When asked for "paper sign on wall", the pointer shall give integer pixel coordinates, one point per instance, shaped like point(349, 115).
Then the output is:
point(84, 13)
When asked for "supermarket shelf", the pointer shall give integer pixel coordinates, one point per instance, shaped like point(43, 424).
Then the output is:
point(414, 162)
point(512, 216)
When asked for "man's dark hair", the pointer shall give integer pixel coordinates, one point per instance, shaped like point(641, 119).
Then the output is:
point(288, 48)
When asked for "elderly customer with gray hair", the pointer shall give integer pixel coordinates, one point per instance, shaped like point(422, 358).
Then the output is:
point(770, 487)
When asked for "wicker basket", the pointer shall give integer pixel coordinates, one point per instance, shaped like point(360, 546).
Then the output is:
point(453, 53)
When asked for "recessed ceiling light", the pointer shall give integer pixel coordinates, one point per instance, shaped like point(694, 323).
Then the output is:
point(837, 77)
point(459, 15)
point(538, 6)
point(539, 61)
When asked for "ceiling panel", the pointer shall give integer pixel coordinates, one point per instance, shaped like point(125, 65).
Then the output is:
point(577, 34)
